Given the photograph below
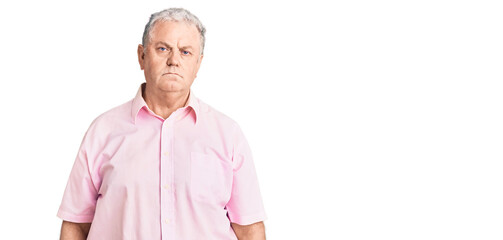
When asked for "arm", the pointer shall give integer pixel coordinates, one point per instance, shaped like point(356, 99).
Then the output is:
point(74, 231)
point(255, 231)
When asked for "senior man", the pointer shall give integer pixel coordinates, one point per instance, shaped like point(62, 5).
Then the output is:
point(164, 165)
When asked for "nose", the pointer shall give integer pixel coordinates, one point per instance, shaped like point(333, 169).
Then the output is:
point(173, 59)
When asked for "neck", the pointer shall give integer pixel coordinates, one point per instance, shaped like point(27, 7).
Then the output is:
point(164, 103)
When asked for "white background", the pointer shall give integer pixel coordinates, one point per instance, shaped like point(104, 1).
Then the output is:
point(367, 119)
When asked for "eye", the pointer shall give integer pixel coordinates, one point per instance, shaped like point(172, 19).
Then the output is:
point(185, 52)
point(162, 48)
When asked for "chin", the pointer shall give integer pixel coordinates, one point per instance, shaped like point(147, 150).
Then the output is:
point(170, 86)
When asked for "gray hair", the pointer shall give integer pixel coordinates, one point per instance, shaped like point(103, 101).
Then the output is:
point(176, 15)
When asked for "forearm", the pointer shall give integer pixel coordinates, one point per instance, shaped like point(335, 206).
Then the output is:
point(74, 231)
point(254, 231)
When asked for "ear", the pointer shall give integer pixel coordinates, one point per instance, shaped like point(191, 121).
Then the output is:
point(141, 56)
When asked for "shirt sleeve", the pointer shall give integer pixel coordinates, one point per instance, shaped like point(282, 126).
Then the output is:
point(80, 196)
point(245, 205)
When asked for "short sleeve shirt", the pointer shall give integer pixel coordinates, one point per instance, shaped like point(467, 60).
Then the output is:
point(139, 176)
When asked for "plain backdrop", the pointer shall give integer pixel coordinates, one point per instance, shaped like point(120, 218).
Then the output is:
point(367, 119)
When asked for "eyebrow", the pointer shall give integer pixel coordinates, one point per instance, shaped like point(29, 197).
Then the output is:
point(165, 43)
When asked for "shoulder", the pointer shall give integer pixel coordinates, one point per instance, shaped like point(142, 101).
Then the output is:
point(220, 128)
point(111, 119)
point(211, 115)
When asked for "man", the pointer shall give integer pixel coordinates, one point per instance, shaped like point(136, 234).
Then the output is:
point(164, 165)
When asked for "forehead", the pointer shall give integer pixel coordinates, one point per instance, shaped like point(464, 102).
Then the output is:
point(175, 32)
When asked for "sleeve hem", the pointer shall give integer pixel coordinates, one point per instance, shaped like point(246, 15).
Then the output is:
point(247, 220)
point(75, 218)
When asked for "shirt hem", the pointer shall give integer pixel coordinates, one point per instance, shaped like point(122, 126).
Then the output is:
point(74, 218)
point(250, 219)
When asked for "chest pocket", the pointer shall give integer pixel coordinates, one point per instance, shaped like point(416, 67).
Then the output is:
point(211, 178)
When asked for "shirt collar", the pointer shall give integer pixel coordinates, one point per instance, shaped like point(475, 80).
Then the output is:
point(139, 103)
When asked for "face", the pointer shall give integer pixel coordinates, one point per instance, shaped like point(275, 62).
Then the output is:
point(171, 59)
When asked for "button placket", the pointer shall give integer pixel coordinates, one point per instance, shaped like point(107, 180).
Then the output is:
point(166, 180)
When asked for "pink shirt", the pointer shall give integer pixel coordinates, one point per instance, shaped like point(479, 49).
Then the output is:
point(138, 176)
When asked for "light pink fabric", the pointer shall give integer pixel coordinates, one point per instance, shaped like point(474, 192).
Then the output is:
point(138, 176)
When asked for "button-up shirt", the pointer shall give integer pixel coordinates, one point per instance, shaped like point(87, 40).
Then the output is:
point(139, 176)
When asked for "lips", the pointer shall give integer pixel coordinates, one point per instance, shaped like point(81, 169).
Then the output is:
point(171, 73)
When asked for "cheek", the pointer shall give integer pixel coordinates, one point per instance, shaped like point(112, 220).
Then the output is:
point(194, 67)
point(155, 66)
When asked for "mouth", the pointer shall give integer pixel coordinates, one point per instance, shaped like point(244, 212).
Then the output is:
point(171, 73)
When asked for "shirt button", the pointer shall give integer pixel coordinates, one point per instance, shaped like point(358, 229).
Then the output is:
point(166, 153)
point(166, 186)
point(166, 221)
